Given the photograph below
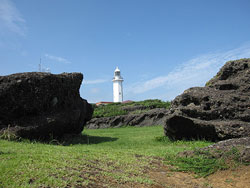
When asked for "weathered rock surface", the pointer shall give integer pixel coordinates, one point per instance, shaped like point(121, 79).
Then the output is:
point(218, 111)
point(42, 105)
point(236, 148)
point(152, 117)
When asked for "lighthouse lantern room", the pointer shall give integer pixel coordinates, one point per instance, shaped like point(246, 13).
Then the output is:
point(117, 86)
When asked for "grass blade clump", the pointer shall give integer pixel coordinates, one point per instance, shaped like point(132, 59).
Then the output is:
point(201, 165)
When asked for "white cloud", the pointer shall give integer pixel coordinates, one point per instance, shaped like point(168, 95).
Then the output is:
point(94, 90)
point(10, 18)
point(56, 58)
point(194, 72)
point(97, 81)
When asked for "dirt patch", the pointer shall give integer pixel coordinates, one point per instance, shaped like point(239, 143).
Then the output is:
point(163, 177)
point(231, 178)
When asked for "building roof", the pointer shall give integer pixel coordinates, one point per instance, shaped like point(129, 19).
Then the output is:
point(102, 102)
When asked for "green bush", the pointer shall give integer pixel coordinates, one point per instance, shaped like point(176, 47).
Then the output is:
point(108, 110)
point(115, 109)
point(156, 103)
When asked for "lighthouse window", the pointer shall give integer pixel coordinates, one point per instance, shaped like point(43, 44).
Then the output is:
point(117, 73)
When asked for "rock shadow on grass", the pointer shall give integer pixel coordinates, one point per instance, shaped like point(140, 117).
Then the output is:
point(66, 140)
point(85, 139)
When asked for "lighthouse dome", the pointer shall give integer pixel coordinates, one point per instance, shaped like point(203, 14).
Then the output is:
point(117, 69)
point(117, 74)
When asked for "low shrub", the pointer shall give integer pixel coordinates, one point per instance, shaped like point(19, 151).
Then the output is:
point(115, 109)
point(108, 110)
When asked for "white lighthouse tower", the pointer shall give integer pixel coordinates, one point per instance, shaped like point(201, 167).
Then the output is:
point(117, 86)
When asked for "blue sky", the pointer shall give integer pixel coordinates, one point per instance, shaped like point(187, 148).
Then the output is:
point(162, 47)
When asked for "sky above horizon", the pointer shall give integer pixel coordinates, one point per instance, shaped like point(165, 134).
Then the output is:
point(162, 47)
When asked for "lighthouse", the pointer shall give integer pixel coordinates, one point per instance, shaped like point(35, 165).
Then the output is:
point(117, 86)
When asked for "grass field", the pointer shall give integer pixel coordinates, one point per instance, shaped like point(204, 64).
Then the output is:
point(102, 157)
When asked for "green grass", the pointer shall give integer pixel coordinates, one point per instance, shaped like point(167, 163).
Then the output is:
point(115, 109)
point(152, 103)
point(200, 164)
point(99, 157)
point(109, 110)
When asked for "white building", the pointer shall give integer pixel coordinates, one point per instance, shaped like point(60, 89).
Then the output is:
point(117, 86)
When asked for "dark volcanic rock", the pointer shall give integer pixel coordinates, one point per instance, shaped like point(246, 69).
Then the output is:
point(42, 105)
point(152, 117)
point(238, 148)
point(218, 111)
